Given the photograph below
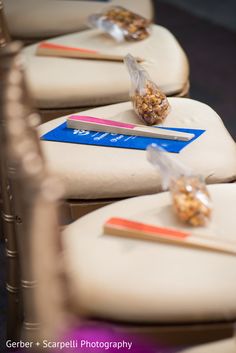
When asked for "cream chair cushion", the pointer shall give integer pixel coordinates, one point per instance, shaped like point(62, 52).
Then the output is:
point(224, 346)
point(45, 18)
point(93, 172)
point(60, 82)
point(133, 280)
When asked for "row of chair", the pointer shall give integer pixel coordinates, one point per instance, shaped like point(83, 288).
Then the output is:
point(113, 279)
point(107, 278)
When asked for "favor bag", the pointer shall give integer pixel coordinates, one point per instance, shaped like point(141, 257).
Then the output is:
point(149, 102)
point(190, 198)
point(121, 24)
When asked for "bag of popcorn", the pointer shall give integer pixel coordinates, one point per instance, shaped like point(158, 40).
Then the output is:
point(149, 102)
point(121, 24)
point(190, 198)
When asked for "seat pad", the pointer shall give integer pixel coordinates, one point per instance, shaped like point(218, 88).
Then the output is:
point(94, 172)
point(224, 346)
point(53, 17)
point(142, 281)
point(63, 82)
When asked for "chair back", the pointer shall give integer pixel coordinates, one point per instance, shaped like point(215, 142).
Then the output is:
point(35, 196)
point(8, 218)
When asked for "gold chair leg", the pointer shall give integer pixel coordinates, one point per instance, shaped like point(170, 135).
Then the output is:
point(13, 285)
point(13, 313)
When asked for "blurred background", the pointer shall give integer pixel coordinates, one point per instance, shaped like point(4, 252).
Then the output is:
point(206, 29)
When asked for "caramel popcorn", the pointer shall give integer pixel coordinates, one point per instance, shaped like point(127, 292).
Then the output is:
point(151, 106)
point(191, 200)
point(135, 27)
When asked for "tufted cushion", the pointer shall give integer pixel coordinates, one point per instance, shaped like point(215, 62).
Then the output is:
point(93, 172)
point(45, 18)
point(59, 82)
point(224, 346)
point(133, 280)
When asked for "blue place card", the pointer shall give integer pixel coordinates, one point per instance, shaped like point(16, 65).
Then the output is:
point(85, 137)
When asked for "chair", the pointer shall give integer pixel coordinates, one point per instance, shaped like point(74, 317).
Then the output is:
point(95, 175)
point(113, 292)
point(178, 295)
point(62, 85)
point(49, 18)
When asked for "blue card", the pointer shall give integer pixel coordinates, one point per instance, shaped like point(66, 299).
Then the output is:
point(85, 137)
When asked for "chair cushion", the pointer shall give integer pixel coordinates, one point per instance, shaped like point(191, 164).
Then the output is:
point(45, 18)
point(224, 346)
point(93, 172)
point(139, 281)
point(63, 82)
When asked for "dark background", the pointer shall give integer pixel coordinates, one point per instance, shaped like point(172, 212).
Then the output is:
point(206, 29)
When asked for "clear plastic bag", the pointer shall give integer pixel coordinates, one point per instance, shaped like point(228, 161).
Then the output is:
point(121, 24)
point(190, 198)
point(149, 102)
